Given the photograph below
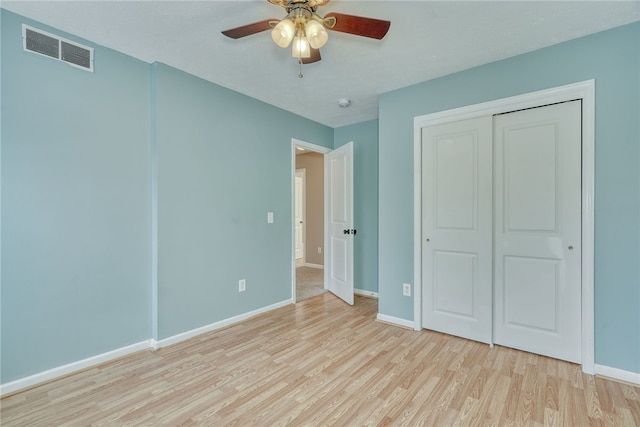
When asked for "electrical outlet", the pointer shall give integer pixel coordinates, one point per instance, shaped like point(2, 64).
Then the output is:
point(319, 249)
point(406, 289)
point(242, 285)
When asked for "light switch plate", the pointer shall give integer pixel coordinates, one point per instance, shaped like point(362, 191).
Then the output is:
point(270, 217)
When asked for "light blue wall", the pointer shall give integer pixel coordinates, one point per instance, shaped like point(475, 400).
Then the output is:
point(612, 59)
point(77, 175)
point(365, 204)
point(75, 205)
point(224, 161)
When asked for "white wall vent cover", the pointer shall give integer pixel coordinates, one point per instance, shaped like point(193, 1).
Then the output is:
point(46, 44)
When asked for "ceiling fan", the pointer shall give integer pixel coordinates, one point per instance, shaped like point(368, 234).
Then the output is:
point(307, 29)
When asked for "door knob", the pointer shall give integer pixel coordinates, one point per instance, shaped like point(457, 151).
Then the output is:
point(346, 231)
point(354, 231)
point(570, 248)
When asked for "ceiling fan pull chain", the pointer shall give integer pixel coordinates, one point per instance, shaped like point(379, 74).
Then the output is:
point(300, 63)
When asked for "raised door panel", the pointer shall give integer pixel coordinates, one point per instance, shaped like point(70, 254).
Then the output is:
point(455, 276)
point(531, 291)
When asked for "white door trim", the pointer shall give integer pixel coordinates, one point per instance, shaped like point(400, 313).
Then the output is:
point(582, 90)
point(318, 149)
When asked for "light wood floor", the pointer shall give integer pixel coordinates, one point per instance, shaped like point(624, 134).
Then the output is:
point(324, 363)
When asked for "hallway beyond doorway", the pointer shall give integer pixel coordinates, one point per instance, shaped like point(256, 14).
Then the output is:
point(309, 282)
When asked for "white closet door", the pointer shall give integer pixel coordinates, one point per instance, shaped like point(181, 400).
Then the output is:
point(457, 222)
point(537, 230)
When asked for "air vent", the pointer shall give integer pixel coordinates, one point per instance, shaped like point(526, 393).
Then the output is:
point(40, 43)
point(77, 55)
point(46, 44)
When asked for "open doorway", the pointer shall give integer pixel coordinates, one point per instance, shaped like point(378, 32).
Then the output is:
point(333, 255)
point(308, 223)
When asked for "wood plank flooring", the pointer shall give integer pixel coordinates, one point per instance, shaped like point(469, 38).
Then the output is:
point(322, 363)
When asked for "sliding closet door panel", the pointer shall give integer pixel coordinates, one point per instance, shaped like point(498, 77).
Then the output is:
point(456, 219)
point(538, 230)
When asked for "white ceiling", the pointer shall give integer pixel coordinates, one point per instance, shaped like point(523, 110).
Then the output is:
point(427, 39)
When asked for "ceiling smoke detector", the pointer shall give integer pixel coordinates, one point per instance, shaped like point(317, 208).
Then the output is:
point(344, 102)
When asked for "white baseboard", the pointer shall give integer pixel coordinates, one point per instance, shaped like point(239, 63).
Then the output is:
point(395, 321)
point(150, 344)
point(364, 293)
point(70, 368)
point(618, 374)
point(217, 325)
point(307, 264)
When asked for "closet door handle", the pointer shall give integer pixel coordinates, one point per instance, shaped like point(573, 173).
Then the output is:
point(346, 231)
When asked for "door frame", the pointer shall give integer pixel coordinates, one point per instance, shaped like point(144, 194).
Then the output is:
point(585, 91)
point(322, 150)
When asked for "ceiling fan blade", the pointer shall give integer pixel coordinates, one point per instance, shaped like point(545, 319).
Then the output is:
point(358, 25)
point(315, 57)
point(247, 30)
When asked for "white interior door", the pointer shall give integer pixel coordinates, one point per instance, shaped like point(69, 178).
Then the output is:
point(299, 201)
point(339, 172)
point(538, 230)
point(457, 228)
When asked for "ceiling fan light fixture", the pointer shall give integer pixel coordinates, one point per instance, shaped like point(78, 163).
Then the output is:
point(308, 29)
point(316, 34)
point(301, 47)
point(283, 33)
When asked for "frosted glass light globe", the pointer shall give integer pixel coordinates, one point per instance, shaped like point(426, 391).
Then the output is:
point(283, 33)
